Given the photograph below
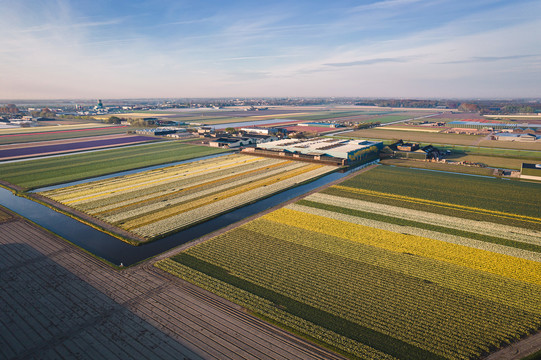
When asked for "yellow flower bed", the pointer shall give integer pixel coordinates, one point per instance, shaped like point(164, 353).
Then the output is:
point(175, 210)
point(504, 265)
point(136, 183)
point(189, 188)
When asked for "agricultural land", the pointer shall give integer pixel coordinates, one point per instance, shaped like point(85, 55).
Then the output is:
point(32, 174)
point(393, 263)
point(45, 133)
point(51, 147)
point(158, 202)
point(59, 302)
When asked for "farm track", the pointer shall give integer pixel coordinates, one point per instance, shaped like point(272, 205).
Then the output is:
point(59, 302)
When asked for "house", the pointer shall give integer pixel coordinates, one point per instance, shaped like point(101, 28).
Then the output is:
point(412, 151)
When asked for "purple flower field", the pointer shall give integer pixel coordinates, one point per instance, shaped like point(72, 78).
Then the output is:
point(29, 151)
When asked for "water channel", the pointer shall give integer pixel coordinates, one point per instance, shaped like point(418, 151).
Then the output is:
point(118, 252)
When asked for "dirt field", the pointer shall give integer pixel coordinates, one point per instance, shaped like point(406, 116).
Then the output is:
point(59, 302)
point(492, 161)
point(438, 138)
point(512, 144)
point(439, 166)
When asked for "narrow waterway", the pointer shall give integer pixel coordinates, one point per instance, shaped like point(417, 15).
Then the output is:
point(118, 252)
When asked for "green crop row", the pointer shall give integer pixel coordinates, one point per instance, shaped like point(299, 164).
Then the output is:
point(486, 193)
point(37, 173)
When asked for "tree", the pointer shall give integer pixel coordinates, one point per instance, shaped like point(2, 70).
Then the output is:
point(467, 107)
point(231, 130)
point(113, 120)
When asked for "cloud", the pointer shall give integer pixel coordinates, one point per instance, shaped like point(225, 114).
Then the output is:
point(55, 27)
point(402, 59)
point(477, 59)
point(385, 5)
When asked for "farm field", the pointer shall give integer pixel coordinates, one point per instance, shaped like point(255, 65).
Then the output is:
point(158, 202)
point(38, 129)
point(512, 144)
point(377, 280)
point(441, 138)
point(60, 134)
point(440, 166)
point(32, 174)
point(25, 150)
point(459, 150)
point(492, 161)
point(450, 194)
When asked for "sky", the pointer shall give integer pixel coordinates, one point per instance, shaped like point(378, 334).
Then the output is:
point(86, 49)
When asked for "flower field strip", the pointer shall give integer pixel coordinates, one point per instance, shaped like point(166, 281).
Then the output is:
point(457, 213)
point(105, 188)
point(175, 210)
point(351, 216)
point(473, 226)
point(32, 174)
point(59, 135)
point(410, 309)
point(7, 154)
point(161, 201)
point(420, 201)
point(267, 309)
point(189, 197)
point(213, 209)
point(189, 188)
point(478, 240)
point(507, 266)
point(171, 173)
point(213, 186)
point(506, 291)
point(512, 197)
point(378, 341)
point(353, 291)
point(54, 129)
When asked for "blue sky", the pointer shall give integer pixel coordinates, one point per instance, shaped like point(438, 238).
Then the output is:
point(165, 48)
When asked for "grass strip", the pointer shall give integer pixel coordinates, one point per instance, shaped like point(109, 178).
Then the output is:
point(404, 222)
point(372, 338)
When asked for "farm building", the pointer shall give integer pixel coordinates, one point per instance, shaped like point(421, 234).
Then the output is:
point(259, 139)
point(231, 142)
point(530, 171)
point(487, 124)
point(159, 131)
point(350, 151)
point(260, 131)
point(504, 136)
point(411, 151)
point(205, 130)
